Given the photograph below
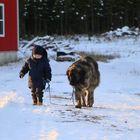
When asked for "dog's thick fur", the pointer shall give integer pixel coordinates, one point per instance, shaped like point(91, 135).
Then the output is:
point(84, 76)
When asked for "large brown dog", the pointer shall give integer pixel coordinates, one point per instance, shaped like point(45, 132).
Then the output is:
point(84, 76)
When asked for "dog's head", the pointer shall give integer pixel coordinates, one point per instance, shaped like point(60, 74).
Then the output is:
point(75, 75)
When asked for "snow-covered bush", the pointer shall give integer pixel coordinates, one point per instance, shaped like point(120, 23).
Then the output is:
point(121, 32)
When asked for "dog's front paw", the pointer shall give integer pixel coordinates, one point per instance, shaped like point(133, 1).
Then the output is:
point(78, 106)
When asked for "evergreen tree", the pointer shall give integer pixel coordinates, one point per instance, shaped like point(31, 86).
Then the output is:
point(41, 17)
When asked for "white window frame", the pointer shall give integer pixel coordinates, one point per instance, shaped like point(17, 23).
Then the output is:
point(3, 20)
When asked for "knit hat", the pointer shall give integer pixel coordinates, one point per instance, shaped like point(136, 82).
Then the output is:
point(37, 50)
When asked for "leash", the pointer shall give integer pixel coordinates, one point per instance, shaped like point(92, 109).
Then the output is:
point(48, 89)
point(72, 97)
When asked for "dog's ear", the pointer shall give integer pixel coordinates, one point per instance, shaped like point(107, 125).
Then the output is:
point(67, 72)
point(70, 69)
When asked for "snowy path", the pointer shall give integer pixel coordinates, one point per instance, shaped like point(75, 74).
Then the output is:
point(115, 115)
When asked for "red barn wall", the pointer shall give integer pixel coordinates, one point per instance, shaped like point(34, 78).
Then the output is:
point(10, 41)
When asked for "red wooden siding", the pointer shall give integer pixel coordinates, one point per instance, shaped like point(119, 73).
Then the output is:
point(10, 41)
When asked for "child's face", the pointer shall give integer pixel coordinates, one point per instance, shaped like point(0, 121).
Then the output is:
point(37, 56)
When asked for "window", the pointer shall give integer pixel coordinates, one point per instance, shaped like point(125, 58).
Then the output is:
point(2, 30)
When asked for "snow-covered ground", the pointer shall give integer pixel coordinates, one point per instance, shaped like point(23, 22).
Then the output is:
point(114, 116)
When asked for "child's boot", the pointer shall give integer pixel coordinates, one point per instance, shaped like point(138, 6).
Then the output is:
point(34, 99)
point(40, 102)
point(40, 97)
